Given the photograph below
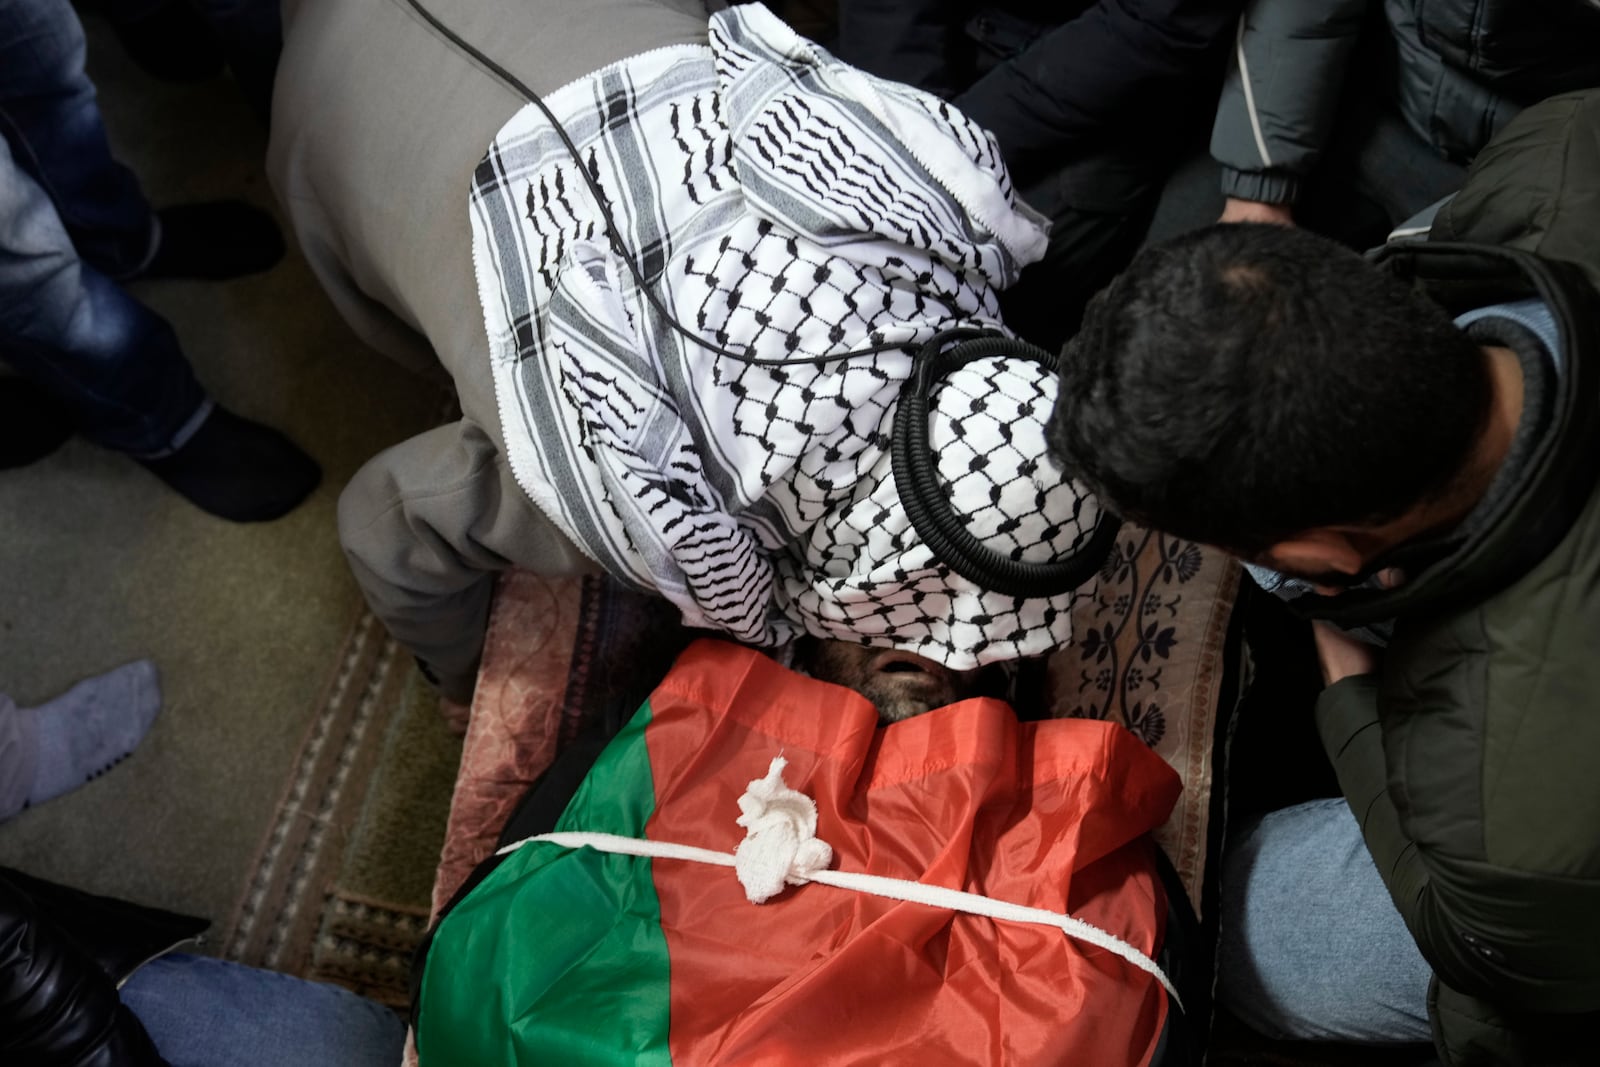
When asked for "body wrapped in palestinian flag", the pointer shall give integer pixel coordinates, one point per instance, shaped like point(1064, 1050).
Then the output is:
point(574, 957)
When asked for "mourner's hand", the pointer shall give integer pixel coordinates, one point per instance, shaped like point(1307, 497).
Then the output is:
point(1234, 210)
point(1341, 655)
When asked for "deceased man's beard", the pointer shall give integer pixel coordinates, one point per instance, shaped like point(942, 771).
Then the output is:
point(899, 684)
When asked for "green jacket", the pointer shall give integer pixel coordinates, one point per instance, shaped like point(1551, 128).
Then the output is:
point(1472, 759)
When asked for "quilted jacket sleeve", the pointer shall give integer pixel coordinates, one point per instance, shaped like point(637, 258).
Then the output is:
point(1281, 94)
point(1507, 936)
point(57, 1007)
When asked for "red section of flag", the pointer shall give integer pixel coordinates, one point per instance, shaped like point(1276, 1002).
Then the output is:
point(1049, 815)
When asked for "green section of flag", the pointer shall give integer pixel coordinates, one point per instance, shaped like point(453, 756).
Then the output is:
point(558, 956)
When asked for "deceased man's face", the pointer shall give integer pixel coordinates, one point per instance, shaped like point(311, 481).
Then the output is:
point(899, 684)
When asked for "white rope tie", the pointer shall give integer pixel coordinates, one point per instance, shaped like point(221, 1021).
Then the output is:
point(781, 847)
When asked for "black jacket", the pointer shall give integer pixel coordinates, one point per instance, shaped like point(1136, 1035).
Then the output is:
point(1070, 76)
point(63, 953)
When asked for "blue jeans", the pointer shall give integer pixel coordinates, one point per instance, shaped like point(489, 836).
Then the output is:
point(203, 1012)
point(71, 218)
point(1311, 945)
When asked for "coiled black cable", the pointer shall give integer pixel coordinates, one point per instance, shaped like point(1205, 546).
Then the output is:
point(927, 503)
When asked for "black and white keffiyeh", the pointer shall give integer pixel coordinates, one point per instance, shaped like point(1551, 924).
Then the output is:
point(782, 205)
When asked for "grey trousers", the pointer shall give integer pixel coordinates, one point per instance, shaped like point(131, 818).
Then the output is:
point(378, 122)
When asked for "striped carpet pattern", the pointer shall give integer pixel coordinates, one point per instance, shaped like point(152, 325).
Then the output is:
point(294, 877)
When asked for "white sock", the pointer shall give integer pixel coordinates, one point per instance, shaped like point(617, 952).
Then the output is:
point(87, 730)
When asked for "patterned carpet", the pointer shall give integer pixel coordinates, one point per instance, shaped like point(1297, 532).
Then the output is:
point(339, 887)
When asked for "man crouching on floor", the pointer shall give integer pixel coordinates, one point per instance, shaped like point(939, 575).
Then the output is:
point(684, 354)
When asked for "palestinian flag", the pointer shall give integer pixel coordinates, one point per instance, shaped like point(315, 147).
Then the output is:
point(573, 957)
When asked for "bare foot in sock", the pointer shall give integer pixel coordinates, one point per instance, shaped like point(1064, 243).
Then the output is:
point(87, 730)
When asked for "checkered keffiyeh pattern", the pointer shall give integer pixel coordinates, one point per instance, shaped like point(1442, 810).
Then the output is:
point(782, 205)
point(866, 576)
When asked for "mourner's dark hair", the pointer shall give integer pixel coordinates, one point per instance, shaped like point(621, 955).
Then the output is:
point(1245, 383)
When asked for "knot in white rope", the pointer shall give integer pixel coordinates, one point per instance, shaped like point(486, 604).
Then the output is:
point(780, 845)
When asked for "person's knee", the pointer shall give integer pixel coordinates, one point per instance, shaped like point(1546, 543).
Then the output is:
point(416, 514)
point(56, 43)
point(1311, 946)
point(371, 513)
point(43, 287)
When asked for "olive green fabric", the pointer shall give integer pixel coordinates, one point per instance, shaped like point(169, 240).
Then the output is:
point(1535, 186)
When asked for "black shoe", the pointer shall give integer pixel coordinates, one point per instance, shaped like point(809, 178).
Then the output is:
point(172, 43)
point(33, 423)
point(239, 470)
point(214, 241)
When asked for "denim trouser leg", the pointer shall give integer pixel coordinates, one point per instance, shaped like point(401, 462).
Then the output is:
point(1311, 945)
point(203, 1012)
point(49, 114)
point(113, 361)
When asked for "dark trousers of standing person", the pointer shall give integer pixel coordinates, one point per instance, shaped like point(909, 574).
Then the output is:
point(72, 220)
point(187, 40)
point(73, 223)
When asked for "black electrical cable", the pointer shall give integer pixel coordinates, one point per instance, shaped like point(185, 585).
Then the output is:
point(612, 236)
point(916, 475)
point(927, 503)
